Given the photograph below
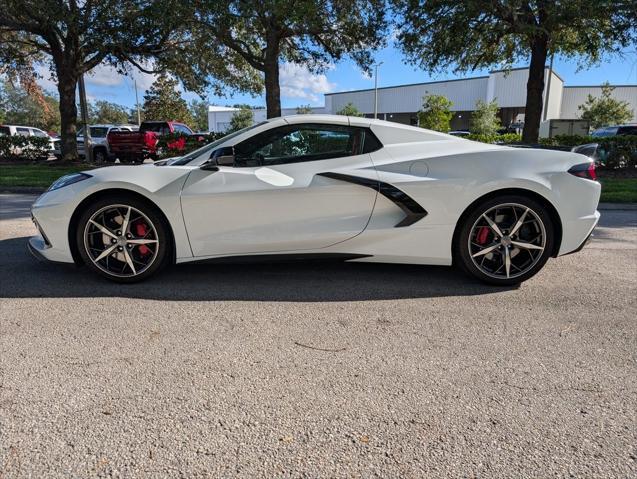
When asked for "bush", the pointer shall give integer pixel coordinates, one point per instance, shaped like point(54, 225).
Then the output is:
point(436, 113)
point(506, 139)
point(19, 147)
point(179, 144)
point(484, 120)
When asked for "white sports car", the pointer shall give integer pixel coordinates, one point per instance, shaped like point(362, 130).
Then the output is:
point(332, 186)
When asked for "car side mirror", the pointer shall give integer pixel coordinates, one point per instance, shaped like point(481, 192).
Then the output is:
point(225, 160)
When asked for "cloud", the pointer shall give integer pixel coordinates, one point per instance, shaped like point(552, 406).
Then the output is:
point(298, 82)
point(104, 75)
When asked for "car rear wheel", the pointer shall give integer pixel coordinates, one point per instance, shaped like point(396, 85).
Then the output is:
point(123, 239)
point(100, 155)
point(505, 240)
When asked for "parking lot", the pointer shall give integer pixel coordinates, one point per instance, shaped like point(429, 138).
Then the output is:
point(319, 369)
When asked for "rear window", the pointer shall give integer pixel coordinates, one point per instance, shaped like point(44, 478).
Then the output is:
point(5, 131)
point(161, 128)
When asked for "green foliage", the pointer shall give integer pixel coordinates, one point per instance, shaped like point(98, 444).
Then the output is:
point(436, 113)
point(303, 109)
point(605, 110)
point(178, 144)
point(19, 107)
point(102, 111)
point(255, 38)
point(349, 110)
point(163, 102)
point(507, 138)
point(485, 120)
point(199, 114)
point(241, 119)
point(17, 147)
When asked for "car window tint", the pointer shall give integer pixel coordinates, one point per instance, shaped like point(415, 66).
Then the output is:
point(299, 143)
point(22, 131)
point(5, 131)
point(39, 133)
point(99, 131)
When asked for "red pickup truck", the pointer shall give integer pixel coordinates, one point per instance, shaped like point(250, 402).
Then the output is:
point(138, 145)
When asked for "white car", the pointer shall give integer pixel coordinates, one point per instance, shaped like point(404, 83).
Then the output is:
point(99, 143)
point(11, 130)
point(336, 186)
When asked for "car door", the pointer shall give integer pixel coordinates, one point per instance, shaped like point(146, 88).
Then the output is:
point(276, 197)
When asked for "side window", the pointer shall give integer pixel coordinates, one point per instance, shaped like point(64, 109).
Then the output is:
point(22, 131)
point(299, 143)
point(183, 129)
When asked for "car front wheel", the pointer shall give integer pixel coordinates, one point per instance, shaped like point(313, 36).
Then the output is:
point(505, 240)
point(123, 239)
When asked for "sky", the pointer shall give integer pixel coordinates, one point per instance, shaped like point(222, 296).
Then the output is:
point(301, 87)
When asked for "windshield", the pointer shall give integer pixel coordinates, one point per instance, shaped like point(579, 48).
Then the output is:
point(205, 151)
point(96, 131)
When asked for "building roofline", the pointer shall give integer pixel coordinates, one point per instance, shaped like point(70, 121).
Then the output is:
point(546, 67)
point(406, 85)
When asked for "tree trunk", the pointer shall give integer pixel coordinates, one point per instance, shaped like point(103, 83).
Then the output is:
point(534, 90)
point(67, 85)
point(271, 77)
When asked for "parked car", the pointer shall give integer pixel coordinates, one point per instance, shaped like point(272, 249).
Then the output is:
point(616, 130)
point(11, 130)
point(99, 144)
point(138, 145)
point(311, 186)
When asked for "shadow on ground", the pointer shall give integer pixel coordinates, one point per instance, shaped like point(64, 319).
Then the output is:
point(23, 276)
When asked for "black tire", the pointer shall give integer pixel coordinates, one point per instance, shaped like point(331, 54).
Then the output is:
point(100, 155)
point(162, 255)
point(529, 266)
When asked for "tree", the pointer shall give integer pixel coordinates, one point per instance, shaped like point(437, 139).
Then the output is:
point(241, 119)
point(485, 120)
point(163, 102)
point(199, 114)
point(471, 34)
point(436, 113)
point(266, 33)
point(605, 110)
point(75, 36)
point(102, 111)
point(349, 110)
point(31, 108)
point(303, 110)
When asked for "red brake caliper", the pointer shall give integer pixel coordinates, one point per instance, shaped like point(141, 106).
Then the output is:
point(483, 235)
point(140, 230)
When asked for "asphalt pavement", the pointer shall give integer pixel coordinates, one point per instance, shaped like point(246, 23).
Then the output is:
point(319, 369)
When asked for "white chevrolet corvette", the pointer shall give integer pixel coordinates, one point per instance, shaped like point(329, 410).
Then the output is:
point(333, 186)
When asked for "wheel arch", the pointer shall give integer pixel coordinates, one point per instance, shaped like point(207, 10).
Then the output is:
point(555, 217)
point(75, 217)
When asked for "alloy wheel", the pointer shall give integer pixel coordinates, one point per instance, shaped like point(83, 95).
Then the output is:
point(121, 240)
point(507, 240)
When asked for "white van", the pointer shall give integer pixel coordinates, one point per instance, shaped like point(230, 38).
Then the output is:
point(11, 130)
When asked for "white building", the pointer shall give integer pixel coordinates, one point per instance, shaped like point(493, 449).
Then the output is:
point(401, 103)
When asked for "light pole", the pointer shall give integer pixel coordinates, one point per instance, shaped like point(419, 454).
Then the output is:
point(376, 89)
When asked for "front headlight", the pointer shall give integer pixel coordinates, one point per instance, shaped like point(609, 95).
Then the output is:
point(67, 180)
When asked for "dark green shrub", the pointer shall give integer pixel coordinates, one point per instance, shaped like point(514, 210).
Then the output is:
point(506, 139)
point(19, 147)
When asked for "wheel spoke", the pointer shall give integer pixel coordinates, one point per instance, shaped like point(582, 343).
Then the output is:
point(486, 250)
point(519, 222)
point(129, 261)
point(141, 241)
point(493, 226)
point(105, 253)
point(103, 229)
point(520, 244)
point(126, 220)
point(507, 261)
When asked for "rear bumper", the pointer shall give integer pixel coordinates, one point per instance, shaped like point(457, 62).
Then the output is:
point(577, 233)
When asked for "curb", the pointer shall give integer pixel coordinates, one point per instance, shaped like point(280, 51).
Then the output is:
point(35, 190)
point(618, 206)
point(23, 190)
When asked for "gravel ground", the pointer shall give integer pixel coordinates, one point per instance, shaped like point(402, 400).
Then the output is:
point(319, 369)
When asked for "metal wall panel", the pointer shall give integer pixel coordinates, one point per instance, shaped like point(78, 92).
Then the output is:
point(574, 96)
